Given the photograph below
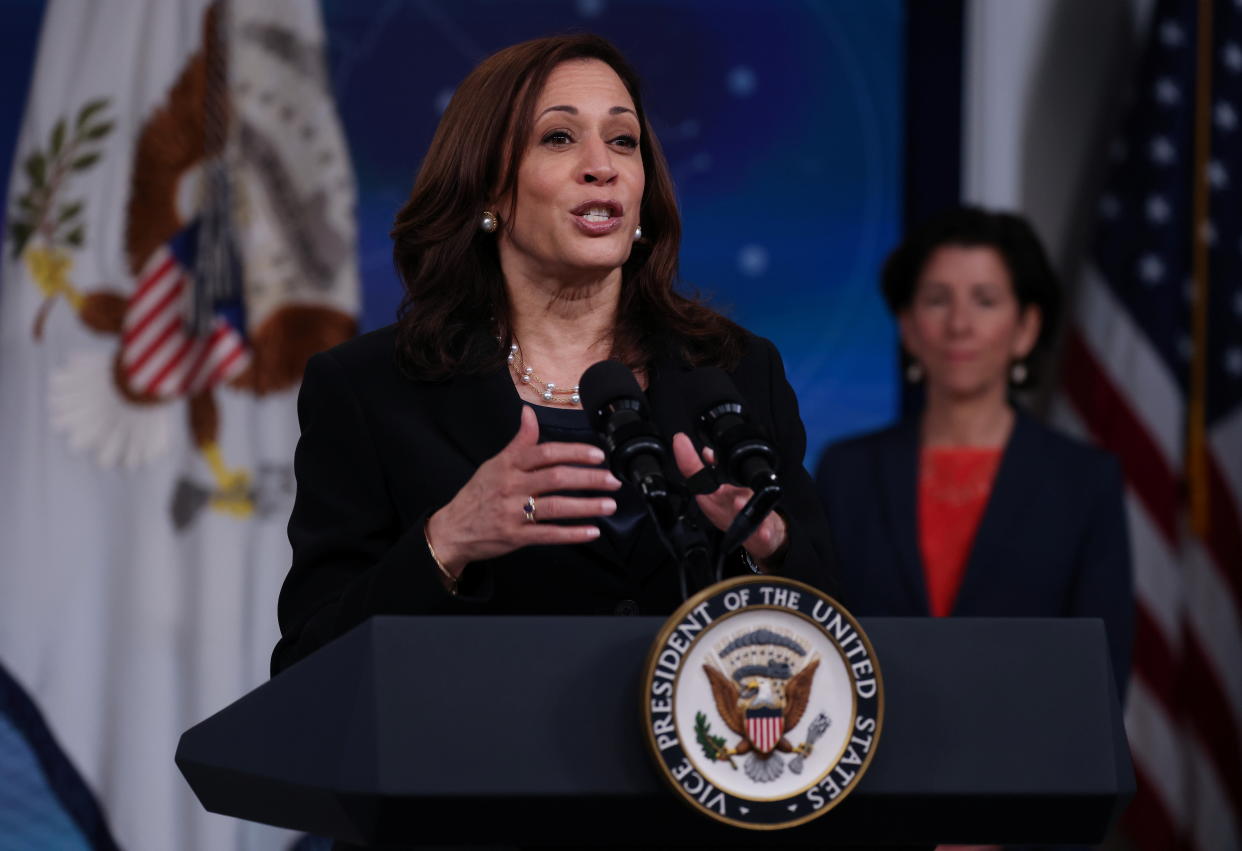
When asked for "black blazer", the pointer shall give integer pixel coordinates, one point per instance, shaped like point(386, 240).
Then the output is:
point(379, 453)
point(1052, 540)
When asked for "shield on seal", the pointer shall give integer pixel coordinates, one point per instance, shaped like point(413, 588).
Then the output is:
point(764, 727)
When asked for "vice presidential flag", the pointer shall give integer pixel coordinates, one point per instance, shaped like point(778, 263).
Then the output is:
point(179, 239)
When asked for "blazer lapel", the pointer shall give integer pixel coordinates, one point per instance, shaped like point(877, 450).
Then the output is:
point(1005, 510)
point(478, 413)
point(666, 396)
point(899, 475)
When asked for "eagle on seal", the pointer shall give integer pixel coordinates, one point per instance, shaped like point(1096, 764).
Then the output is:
point(762, 699)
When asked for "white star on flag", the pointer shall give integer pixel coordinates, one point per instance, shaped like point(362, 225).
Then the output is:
point(1217, 175)
point(1162, 150)
point(1151, 269)
point(1157, 209)
point(1167, 91)
point(1226, 116)
point(1171, 34)
point(1231, 55)
point(1233, 362)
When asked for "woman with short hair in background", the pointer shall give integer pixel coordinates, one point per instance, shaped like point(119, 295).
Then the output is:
point(971, 506)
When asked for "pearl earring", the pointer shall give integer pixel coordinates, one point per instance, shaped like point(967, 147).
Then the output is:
point(914, 372)
point(638, 233)
point(1017, 372)
point(489, 222)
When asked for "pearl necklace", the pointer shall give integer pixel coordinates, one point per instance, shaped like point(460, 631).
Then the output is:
point(549, 391)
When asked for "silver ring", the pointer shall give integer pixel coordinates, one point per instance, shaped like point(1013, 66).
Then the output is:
point(529, 509)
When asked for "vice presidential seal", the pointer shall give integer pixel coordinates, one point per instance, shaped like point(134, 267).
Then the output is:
point(763, 702)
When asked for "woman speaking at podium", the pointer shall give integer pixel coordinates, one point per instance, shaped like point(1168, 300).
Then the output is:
point(445, 464)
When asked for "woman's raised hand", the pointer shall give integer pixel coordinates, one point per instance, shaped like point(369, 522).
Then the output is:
point(488, 517)
point(722, 505)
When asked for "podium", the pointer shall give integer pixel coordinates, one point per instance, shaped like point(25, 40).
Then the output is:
point(526, 730)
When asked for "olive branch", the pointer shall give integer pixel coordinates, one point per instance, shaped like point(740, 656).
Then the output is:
point(713, 746)
point(39, 209)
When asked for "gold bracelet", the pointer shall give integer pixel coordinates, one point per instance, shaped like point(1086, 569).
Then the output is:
point(452, 580)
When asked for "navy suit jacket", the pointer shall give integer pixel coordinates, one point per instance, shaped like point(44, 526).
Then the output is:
point(1052, 540)
point(380, 452)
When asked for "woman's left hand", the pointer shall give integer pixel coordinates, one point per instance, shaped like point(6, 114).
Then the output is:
point(723, 504)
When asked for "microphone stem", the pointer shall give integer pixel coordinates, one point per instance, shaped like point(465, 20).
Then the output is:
point(749, 519)
point(685, 541)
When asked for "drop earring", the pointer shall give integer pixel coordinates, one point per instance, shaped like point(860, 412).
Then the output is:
point(638, 233)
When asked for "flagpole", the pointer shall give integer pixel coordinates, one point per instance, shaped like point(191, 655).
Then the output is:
point(1196, 409)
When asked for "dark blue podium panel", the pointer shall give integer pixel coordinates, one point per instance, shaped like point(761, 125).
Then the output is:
point(527, 730)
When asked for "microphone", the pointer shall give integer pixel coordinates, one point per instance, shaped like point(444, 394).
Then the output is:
point(617, 409)
point(744, 454)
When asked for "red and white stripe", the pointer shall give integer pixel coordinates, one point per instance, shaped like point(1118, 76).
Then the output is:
point(1184, 707)
point(765, 731)
point(159, 356)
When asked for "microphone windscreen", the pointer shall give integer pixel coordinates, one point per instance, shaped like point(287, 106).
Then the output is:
point(707, 387)
point(604, 382)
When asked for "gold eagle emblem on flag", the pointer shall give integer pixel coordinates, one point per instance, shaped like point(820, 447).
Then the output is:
point(241, 256)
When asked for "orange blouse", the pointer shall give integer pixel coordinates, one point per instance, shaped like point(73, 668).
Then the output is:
point(954, 485)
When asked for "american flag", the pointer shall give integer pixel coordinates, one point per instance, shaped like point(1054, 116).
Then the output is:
point(1153, 371)
point(161, 356)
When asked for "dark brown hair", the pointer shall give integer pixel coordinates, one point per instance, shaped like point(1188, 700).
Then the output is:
point(1009, 235)
point(455, 305)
